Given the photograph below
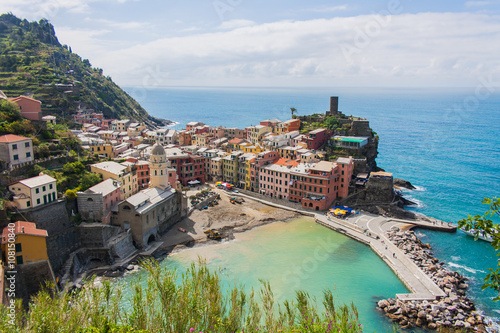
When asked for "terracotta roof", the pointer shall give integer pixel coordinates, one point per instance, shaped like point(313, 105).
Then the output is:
point(23, 227)
point(286, 162)
point(15, 99)
point(236, 141)
point(12, 138)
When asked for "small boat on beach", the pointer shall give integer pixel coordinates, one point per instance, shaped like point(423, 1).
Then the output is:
point(480, 235)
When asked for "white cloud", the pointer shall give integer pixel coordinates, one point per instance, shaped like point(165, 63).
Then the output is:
point(411, 49)
point(234, 24)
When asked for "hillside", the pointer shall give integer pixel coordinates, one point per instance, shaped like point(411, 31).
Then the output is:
point(35, 64)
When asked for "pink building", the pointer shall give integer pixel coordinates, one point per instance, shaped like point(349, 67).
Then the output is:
point(264, 158)
point(96, 203)
point(274, 179)
point(346, 168)
point(30, 108)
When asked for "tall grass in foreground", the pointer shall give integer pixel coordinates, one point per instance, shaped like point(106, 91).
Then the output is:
point(191, 302)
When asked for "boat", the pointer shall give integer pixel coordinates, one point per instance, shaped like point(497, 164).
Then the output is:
point(481, 235)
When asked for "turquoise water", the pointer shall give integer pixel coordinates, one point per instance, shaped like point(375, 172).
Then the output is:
point(301, 255)
point(442, 140)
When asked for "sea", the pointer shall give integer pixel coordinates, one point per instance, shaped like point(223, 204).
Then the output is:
point(446, 142)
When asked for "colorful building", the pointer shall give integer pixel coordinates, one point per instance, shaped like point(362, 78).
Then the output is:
point(34, 192)
point(30, 244)
point(189, 167)
point(274, 179)
point(316, 187)
point(105, 149)
point(28, 107)
point(96, 203)
point(317, 138)
point(126, 175)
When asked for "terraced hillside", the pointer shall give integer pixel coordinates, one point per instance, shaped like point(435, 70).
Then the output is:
point(35, 64)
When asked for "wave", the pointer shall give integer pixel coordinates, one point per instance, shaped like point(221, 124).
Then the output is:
point(419, 188)
point(465, 268)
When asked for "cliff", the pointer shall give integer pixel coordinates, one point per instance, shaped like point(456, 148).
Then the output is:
point(33, 63)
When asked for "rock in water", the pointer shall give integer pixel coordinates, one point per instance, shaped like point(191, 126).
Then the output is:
point(403, 183)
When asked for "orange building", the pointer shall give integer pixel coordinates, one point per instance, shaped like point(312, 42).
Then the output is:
point(30, 108)
point(29, 243)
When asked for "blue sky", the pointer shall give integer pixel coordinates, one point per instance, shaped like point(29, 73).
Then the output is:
point(279, 43)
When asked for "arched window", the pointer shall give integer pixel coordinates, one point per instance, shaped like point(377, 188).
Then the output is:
point(126, 208)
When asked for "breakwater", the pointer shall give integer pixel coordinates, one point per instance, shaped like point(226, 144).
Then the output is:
point(455, 310)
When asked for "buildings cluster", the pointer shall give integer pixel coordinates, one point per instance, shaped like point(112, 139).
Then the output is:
point(144, 171)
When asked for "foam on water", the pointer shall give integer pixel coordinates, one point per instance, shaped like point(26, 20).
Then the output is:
point(468, 269)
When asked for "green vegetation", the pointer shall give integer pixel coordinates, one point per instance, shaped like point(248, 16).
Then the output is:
point(11, 121)
point(34, 63)
point(72, 176)
point(191, 302)
point(489, 224)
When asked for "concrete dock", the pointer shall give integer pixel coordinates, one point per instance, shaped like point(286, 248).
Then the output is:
point(370, 230)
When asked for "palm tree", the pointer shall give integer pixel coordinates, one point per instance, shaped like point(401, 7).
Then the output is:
point(293, 111)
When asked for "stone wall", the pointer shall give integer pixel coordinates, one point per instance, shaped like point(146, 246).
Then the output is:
point(90, 206)
point(379, 190)
point(31, 278)
point(361, 128)
point(122, 245)
point(62, 236)
point(96, 235)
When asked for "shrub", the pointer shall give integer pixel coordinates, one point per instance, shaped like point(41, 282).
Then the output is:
point(191, 302)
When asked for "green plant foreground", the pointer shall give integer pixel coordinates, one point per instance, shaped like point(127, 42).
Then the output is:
point(173, 302)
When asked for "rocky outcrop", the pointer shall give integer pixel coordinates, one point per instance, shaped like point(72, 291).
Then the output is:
point(401, 183)
point(455, 311)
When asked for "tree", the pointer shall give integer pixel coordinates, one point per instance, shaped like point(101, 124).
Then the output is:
point(331, 123)
point(88, 180)
point(293, 110)
point(74, 168)
point(487, 225)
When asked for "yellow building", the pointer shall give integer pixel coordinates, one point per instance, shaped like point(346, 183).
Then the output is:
point(29, 243)
point(230, 167)
point(105, 149)
point(258, 132)
point(124, 174)
point(202, 139)
point(34, 192)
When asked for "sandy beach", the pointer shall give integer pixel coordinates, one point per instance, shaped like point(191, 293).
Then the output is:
point(225, 217)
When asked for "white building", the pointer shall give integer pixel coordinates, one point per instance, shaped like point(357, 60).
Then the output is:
point(34, 192)
point(15, 149)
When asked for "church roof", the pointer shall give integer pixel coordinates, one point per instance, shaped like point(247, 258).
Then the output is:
point(157, 150)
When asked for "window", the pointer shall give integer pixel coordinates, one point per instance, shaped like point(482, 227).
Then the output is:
point(37, 190)
point(26, 144)
point(19, 247)
point(38, 201)
point(14, 147)
point(19, 260)
point(50, 186)
point(16, 157)
point(43, 188)
point(28, 154)
point(28, 203)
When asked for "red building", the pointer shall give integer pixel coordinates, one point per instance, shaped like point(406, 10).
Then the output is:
point(29, 108)
point(319, 186)
point(317, 138)
point(189, 167)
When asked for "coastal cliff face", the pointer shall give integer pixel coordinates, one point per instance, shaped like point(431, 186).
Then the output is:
point(33, 63)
